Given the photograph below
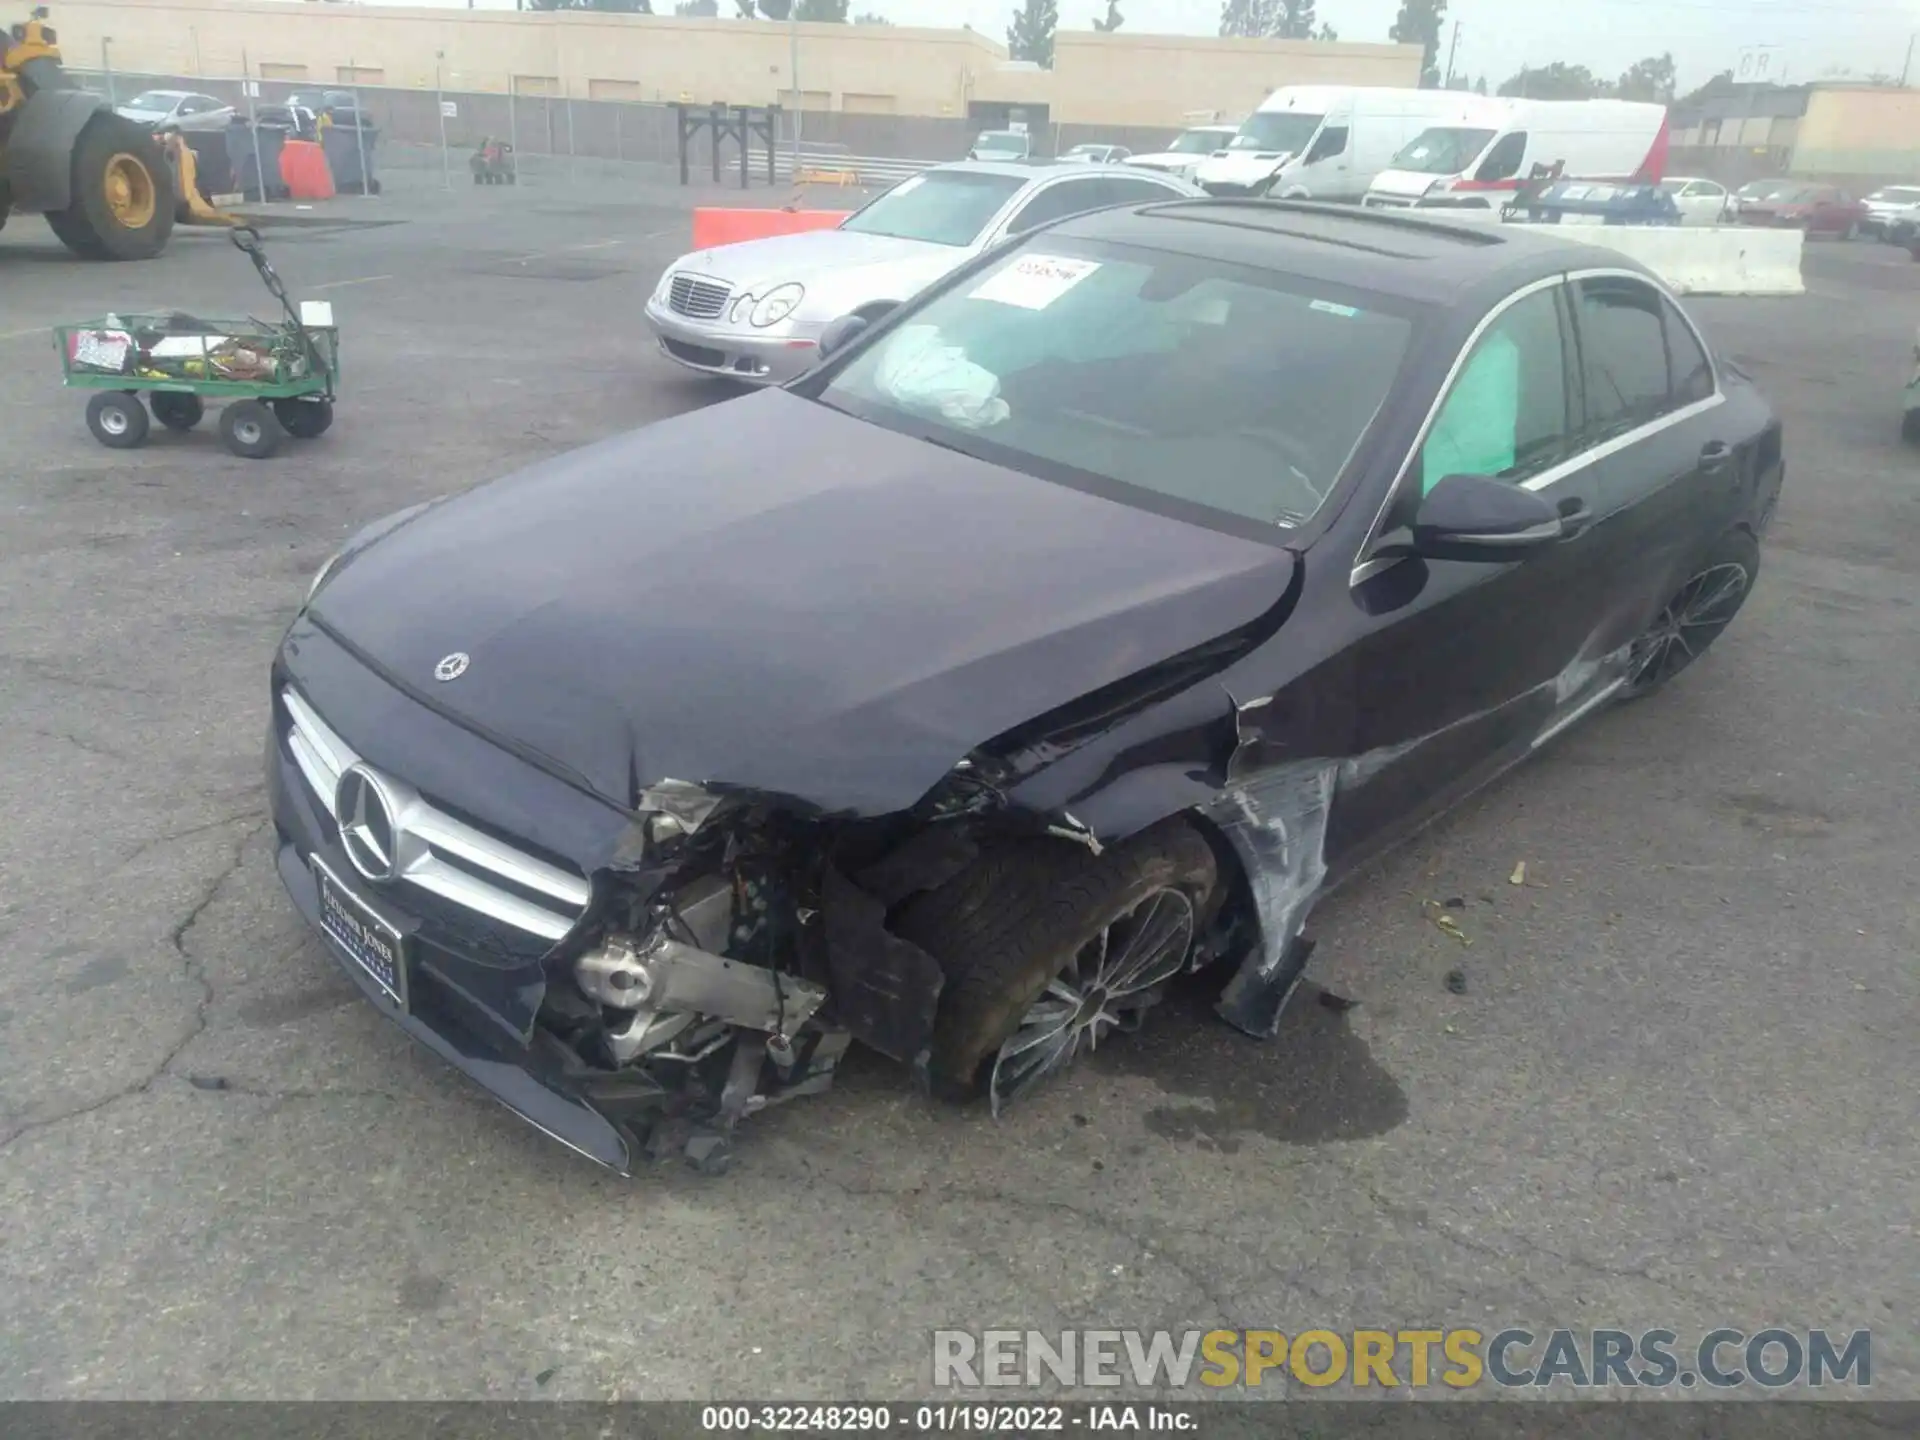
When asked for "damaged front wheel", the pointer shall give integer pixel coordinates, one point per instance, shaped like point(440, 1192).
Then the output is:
point(1048, 948)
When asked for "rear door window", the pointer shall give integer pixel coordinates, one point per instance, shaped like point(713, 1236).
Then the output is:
point(1056, 202)
point(1638, 357)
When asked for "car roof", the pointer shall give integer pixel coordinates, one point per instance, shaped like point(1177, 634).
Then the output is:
point(1387, 252)
point(1032, 170)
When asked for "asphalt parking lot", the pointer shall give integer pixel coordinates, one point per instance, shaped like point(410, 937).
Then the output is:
point(1675, 1091)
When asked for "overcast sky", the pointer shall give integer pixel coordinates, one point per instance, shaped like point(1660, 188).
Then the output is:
point(1497, 37)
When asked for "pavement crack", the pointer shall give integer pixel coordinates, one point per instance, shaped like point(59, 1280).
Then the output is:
point(190, 969)
point(68, 737)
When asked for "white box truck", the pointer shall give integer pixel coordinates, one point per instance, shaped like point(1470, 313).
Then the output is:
point(1477, 157)
point(1322, 142)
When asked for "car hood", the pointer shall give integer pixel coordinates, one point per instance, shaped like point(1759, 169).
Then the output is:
point(834, 265)
point(1168, 159)
point(1240, 167)
point(773, 595)
point(145, 117)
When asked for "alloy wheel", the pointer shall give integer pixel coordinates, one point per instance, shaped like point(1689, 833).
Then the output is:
point(1108, 986)
point(1692, 620)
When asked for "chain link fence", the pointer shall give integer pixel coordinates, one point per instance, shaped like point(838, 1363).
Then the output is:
point(432, 134)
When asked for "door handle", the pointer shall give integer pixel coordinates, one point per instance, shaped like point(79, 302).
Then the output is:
point(1575, 517)
point(1715, 455)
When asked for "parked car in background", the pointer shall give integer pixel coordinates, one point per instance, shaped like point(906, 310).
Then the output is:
point(1098, 154)
point(182, 109)
point(1322, 142)
point(1759, 189)
point(1062, 634)
point(755, 311)
point(1816, 209)
point(1494, 146)
point(1001, 145)
point(1892, 212)
point(1700, 201)
point(1187, 149)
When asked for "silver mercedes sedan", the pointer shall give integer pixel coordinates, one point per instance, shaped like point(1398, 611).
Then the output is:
point(754, 311)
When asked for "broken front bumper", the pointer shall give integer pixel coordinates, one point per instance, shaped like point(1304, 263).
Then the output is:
point(471, 990)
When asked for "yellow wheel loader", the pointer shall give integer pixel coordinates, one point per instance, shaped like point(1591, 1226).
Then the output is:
point(109, 188)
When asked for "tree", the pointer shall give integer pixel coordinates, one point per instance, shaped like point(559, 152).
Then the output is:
point(1246, 19)
point(698, 9)
point(1480, 86)
point(1113, 21)
point(1648, 79)
point(615, 7)
point(1326, 33)
point(1030, 37)
point(1294, 20)
point(867, 17)
point(776, 9)
point(1418, 23)
point(1558, 81)
point(745, 7)
point(822, 12)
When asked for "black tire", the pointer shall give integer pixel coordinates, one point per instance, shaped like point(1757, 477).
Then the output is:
point(177, 410)
point(1910, 427)
point(304, 419)
point(1008, 926)
point(118, 419)
point(249, 429)
point(1695, 614)
point(90, 226)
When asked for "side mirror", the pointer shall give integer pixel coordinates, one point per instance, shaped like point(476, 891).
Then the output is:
point(841, 333)
point(1477, 519)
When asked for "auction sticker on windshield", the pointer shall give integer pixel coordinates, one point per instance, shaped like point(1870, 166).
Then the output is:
point(1034, 282)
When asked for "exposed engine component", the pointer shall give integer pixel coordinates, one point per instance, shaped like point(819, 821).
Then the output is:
point(664, 983)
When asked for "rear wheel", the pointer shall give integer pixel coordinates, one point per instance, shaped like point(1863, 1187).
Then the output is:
point(177, 410)
point(123, 200)
point(304, 419)
point(1048, 948)
point(250, 430)
point(117, 419)
point(1693, 619)
point(1910, 427)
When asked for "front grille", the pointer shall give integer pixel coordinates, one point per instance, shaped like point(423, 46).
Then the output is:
point(437, 853)
point(1381, 202)
point(698, 299)
point(694, 354)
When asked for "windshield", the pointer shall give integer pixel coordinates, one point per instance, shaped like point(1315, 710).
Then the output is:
point(1443, 150)
point(1198, 142)
point(1275, 130)
point(154, 100)
point(946, 207)
point(1674, 187)
point(1088, 150)
point(1000, 142)
point(1235, 389)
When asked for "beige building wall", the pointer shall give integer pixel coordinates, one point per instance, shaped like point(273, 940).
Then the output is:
point(1859, 130)
point(1100, 79)
point(1125, 79)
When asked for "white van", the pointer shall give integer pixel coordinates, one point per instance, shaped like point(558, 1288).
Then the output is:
point(1478, 157)
point(1322, 142)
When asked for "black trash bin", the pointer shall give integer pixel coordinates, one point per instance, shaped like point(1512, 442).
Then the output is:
point(344, 145)
point(244, 142)
point(211, 161)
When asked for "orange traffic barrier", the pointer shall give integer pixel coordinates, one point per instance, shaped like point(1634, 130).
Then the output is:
point(304, 170)
point(713, 226)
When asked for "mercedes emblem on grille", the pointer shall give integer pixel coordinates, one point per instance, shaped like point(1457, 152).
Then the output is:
point(367, 830)
point(451, 667)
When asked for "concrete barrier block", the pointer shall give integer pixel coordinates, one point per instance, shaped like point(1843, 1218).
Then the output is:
point(714, 225)
point(1721, 260)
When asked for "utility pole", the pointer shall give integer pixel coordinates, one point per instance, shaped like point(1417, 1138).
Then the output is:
point(793, 82)
point(1908, 63)
point(1452, 49)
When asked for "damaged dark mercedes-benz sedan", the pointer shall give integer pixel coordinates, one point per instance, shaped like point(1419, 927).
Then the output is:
point(1071, 627)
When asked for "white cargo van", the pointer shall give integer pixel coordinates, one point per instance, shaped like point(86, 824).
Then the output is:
point(1479, 156)
point(1322, 142)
